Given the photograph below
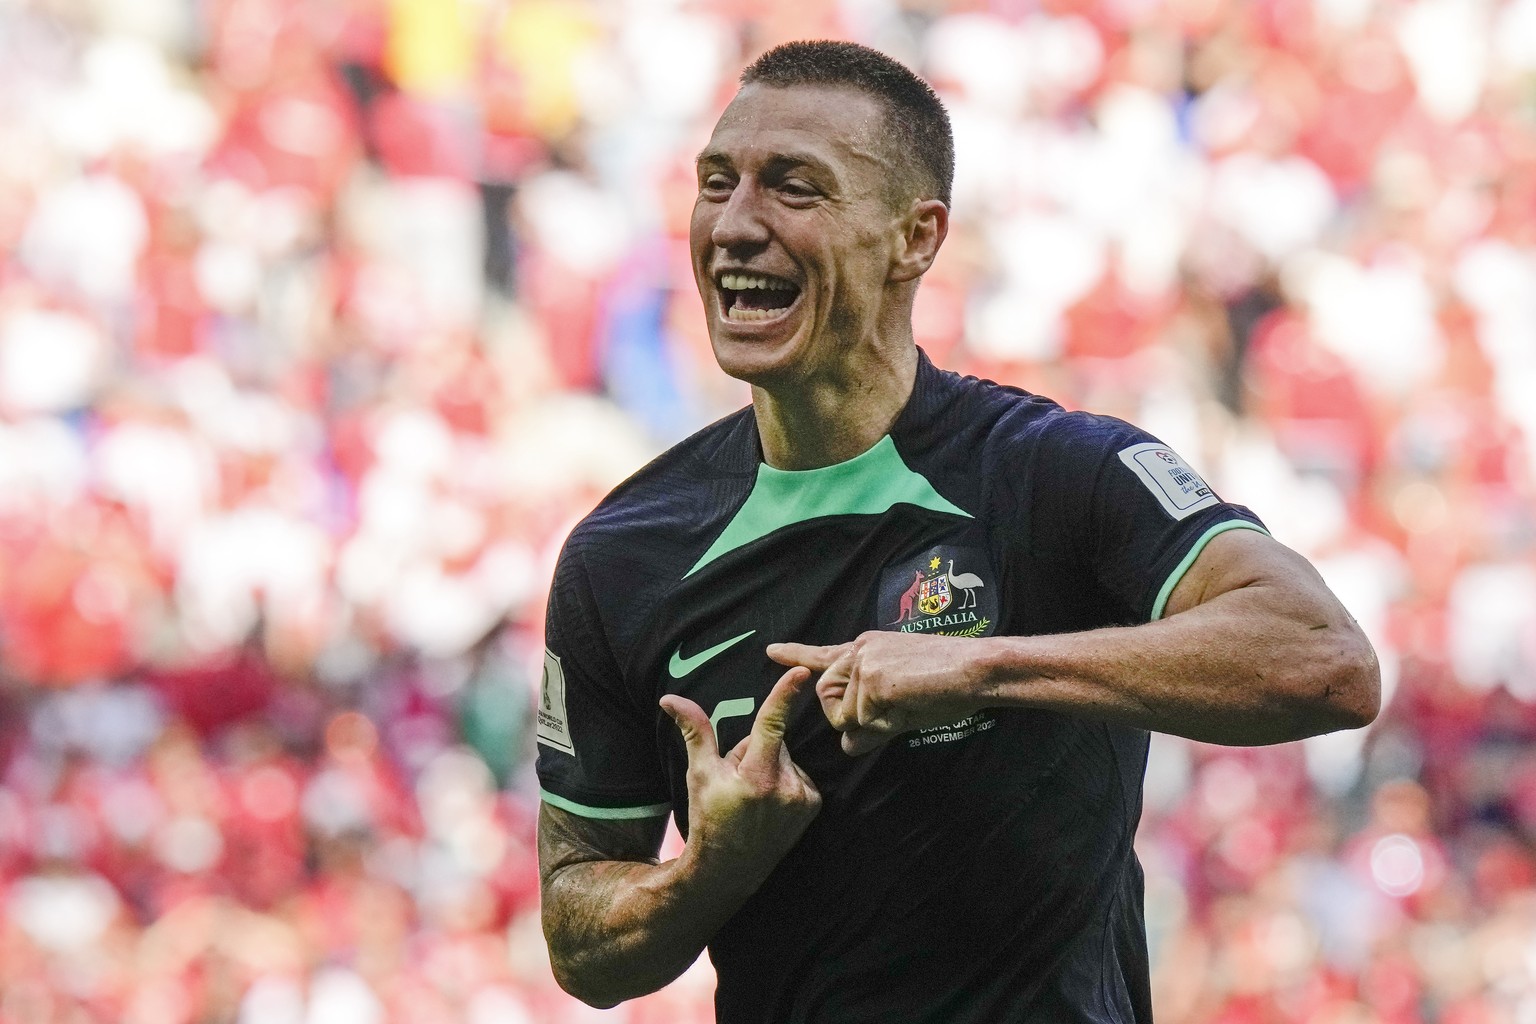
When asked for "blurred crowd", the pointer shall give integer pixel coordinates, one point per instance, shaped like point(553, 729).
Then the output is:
point(322, 321)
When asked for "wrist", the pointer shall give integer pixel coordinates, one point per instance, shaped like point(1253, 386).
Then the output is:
point(713, 874)
point(981, 669)
point(995, 667)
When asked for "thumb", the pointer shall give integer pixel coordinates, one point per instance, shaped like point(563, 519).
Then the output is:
point(693, 723)
point(817, 659)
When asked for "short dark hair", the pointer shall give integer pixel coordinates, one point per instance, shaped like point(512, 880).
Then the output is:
point(915, 116)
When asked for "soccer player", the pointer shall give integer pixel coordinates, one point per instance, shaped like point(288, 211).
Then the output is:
point(996, 600)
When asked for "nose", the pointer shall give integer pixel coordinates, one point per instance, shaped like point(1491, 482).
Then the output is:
point(740, 223)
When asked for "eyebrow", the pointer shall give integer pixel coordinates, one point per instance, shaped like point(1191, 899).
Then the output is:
point(779, 162)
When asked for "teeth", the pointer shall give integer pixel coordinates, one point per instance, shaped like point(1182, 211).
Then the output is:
point(743, 282)
point(739, 313)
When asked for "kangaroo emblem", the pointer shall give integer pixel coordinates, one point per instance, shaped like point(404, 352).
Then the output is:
point(908, 597)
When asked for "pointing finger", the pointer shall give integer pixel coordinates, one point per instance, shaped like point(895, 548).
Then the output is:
point(768, 730)
point(817, 659)
point(693, 723)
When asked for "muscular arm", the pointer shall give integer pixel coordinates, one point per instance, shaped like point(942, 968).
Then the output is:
point(618, 923)
point(1254, 649)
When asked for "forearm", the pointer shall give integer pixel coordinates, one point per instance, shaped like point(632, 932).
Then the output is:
point(1251, 666)
point(621, 929)
point(619, 924)
point(1254, 649)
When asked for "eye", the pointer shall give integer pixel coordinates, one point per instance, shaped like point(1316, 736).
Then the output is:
point(795, 188)
point(716, 184)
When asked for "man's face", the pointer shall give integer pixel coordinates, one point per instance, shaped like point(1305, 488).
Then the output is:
point(793, 230)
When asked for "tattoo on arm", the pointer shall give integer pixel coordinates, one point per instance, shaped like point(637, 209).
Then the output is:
point(567, 839)
point(584, 864)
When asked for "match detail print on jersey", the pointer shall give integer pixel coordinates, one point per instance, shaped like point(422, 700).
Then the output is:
point(553, 729)
point(680, 666)
point(1177, 487)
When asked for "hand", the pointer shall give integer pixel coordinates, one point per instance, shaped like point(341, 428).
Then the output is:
point(883, 684)
point(746, 809)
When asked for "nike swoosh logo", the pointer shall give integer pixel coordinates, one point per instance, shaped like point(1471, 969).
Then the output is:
point(680, 666)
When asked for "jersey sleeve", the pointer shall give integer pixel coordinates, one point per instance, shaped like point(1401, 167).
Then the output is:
point(1130, 507)
point(597, 747)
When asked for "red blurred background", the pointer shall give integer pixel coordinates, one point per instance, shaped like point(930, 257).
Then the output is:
point(322, 321)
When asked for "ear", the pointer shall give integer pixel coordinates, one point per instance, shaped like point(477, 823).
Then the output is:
point(923, 230)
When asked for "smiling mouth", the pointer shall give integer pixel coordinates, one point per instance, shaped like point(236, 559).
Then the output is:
point(755, 298)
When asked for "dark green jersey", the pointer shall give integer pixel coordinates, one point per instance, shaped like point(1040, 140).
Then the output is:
point(979, 872)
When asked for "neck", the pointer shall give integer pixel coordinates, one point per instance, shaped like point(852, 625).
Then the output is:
point(834, 416)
